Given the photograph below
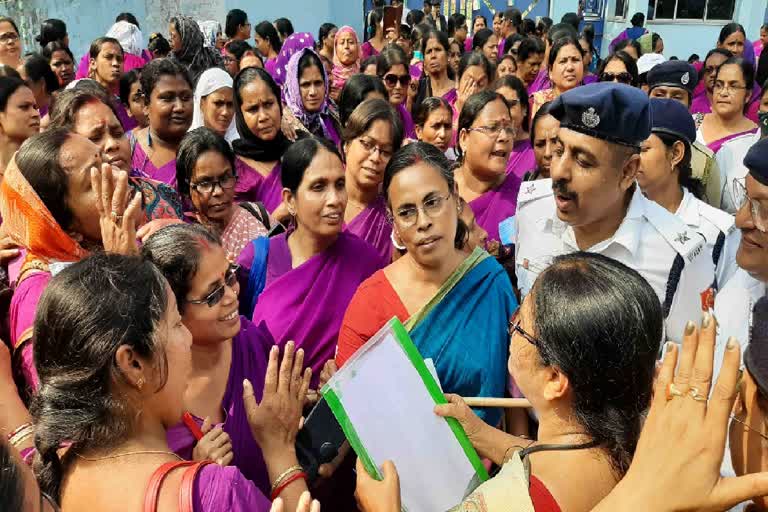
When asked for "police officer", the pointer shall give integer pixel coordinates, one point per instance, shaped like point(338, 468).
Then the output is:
point(665, 177)
point(676, 80)
point(592, 203)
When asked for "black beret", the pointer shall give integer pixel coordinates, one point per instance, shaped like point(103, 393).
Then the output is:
point(672, 117)
point(674, 73)
point(757, 161)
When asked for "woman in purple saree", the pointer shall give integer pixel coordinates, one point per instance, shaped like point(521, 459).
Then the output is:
point(301, 282)
point(258, 114)
point(372, 134)
point(392, 68)
point(522, 159)
point(226, 348)
point(485, 140)
point(124, 365)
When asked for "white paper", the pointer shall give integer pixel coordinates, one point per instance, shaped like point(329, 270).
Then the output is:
point(392, 412)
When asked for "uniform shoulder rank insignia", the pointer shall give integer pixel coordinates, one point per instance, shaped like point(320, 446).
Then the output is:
point(589, 118)
point(687, 243)
point(681, 238)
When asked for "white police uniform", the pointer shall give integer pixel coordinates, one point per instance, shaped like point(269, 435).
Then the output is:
point(651, 240)
point(730, 160)
point(719, 230)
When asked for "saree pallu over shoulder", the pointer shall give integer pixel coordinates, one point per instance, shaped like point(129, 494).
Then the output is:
point(253, 187)
point(306, 304)
point(496, 205)
point(372, 225)
point(464, 330)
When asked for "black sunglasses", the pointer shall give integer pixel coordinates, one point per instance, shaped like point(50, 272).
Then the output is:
point(391, 80)
point(624, 78)
point(213, 298)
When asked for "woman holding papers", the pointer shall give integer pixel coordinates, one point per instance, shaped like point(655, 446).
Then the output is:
point(456, 305)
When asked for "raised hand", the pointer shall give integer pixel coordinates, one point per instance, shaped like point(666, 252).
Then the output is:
point(118, 212)
point(215, 445)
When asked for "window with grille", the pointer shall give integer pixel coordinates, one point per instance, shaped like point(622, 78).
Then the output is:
point(706, 10)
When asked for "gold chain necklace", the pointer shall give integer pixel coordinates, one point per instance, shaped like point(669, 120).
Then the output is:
point(145, 452)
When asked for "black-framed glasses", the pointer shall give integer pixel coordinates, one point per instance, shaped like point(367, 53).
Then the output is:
point(391, 80)
point(226, 182)
point(213, 298)
point(622, 78)
point(514, 327)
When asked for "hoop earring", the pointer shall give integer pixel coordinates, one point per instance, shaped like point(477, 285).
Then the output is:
point(398, 246)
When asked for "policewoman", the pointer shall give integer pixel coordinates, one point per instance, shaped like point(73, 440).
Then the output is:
point(665, 177)
point(592, 203)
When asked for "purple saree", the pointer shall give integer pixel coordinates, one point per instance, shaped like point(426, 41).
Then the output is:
point(219, 489)
point(522, 158)
point(249, 360)
point(715, 145)
point(409, 129)
point(252, 186)
point(144, 168)
point(306, 304)
point(496, 205)
point(372, 226)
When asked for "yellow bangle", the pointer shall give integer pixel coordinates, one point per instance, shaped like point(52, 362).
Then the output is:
point(285, 474)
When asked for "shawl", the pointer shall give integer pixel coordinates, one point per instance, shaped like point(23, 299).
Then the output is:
point(193, 54)
point(320, 122)
point(341, 73)
point(293, 44)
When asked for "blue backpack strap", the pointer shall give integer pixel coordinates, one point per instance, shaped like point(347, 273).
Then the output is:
point(257, 278)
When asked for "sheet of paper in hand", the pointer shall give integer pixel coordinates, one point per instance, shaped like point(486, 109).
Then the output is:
point(384, 399)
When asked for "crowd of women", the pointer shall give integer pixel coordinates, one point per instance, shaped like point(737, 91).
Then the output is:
point(197, 232)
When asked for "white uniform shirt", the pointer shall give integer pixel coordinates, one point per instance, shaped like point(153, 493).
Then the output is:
point(648, 240)
point(730, 160)
point(711, 222)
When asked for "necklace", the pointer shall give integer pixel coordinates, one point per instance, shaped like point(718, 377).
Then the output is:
point(143, 452)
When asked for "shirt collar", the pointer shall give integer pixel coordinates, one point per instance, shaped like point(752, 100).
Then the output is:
point(688, 210)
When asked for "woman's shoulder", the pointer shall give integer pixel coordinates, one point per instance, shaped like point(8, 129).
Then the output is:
point(219, 489)
point(359, 249)
point(542, 499)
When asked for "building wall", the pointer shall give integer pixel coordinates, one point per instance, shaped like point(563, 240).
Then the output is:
point(89, 19)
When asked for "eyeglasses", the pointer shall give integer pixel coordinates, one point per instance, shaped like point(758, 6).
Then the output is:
point(226, 182)
point(740, 391)
point(759, 214)
point(9, 37)
point(622, 78)
point(213, 298)
point(514, 327)
point(432, 208)
point(721, 87)
point(513, 103)
point(495, 131)
point(391, 80)
point(370, 147)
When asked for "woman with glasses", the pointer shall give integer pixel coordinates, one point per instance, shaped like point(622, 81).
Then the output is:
point(618, 67)
point(454, 303)
point(486, 135)
point(206, 177)
point(522, 159)
point(300, 282)
point(10, 43)
point(732, 89)
point(392, 67)
point(226, 348)
point(372, 134)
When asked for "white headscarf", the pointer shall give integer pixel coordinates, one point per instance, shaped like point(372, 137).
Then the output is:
point(211, 81)
point(128, 35)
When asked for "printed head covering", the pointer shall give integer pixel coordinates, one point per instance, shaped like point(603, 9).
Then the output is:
point(341, 73)
point(193, 54)
point(292, 92)
point(291, 45)
point(128, 35)
point(211, 81)
point(210, 29)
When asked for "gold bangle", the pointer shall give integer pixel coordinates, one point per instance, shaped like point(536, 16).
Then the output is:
point(285, 474)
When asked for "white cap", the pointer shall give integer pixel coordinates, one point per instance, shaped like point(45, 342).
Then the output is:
point(648, 61)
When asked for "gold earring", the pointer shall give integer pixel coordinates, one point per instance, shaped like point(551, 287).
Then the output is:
point(140, 383)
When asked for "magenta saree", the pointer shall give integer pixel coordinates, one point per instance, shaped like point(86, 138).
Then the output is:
point(252, 186)
point(225, 489)
point(372, 226)
point(496, 205)
point(522, 159)
point(144, 168)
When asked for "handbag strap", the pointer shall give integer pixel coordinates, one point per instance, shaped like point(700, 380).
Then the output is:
point(156, 481)
point(186, 496)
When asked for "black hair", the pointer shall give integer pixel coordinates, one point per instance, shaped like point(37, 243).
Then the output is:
point(747, 70)
point(572, 19)
point(8, 86)
point(129, 17)
point(761, 74)
point(718, 51)
point(561, 30)
point(528, 28)
point(543, 26)
point(66, 104)
point(455, 20)
point(284, 27)
point(97, 43)
point(158, 68)
point(730, 29)
point(37, 68)
point(38, 160)
point(522, 94)
point(515, 16)
point(176, 251)
point(12, 493)
point(389, 57)
point(530, 46)
point(478, 17)
point(367, 113)
point(471, 109)
point(354, 92)
point(423, 152)
point(51, 30)
point(308, 60)
point(126, 81)
point(475, 59)
point(192, 146)
point(693, 58)
point(56, 46)
point(7, 19)
point(441, 37)
point(510, 41)
point(621, 45)
point(267, 31)
point(684, 172)
point(372, 60)
point(299, 156)
point(481, 38)
point(591, 311)
point(239, 48)
point(418, 32)
point(414, 17)
point(655, 38)
point(543, 111)
point(77, 335)
point(9, 72)
point(235, 19)
point(638, 19)
point(405, 31)
point(625, 59)
point(559, 45)
point(158, 44)
point(372, 22)
point(249, 75)
point(324, 31)
point(426, 107)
